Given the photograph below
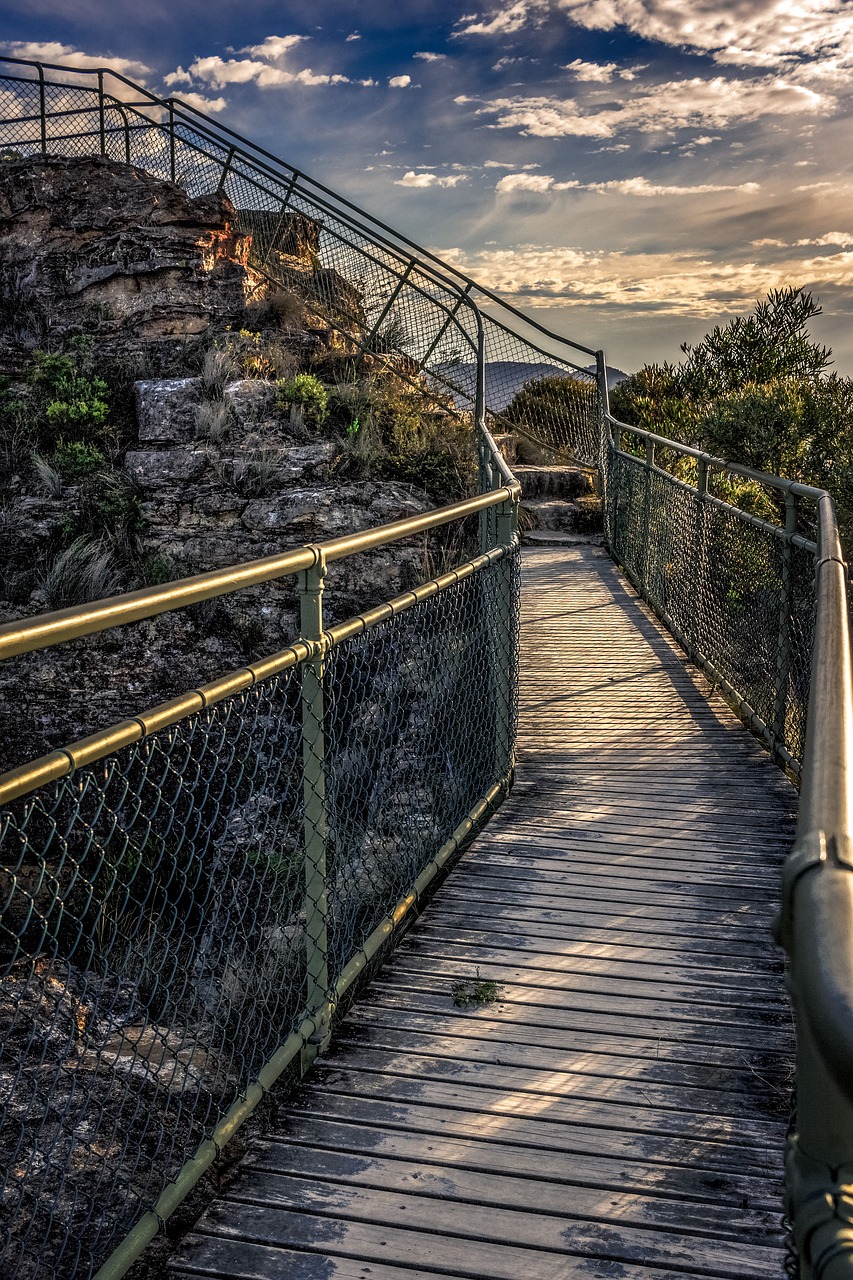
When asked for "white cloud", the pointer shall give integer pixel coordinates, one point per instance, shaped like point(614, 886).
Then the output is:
point(625, 186)
point(273, 46)
point(400, 82)
point(355, 36)
point(678, 104)
point(412, 179)
point(431, 57)
point(201, 103)
point(502, 164)
point(838, 239)
point(53, 51)
point(524, 182)
point(642, 187)
point(594, 71)
point(706, 140)
point(749, 33)
point(265, 67)
point(504, 21)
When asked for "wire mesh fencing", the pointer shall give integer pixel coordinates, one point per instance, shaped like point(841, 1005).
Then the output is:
point(737, 592)
point(391, 303)
point(173, 912)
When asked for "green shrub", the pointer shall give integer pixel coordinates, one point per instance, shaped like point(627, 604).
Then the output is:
point(76, 459)
point(70, 393)
point(307, 393)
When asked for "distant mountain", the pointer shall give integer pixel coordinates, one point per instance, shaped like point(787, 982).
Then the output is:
point(504, 378)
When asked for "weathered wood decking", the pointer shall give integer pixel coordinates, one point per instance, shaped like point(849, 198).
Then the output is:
point(620, 1111)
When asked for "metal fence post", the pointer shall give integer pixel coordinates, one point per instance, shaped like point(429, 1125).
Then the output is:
point(783, 640)
point(695, 587)
point(314, 821)
point(101, 120)
point(643, 574)
point(172, 169)
point(507, 536)
point(42, 110)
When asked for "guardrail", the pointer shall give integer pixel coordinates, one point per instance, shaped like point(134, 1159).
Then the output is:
point(298, 859)
point(762, 608)
point(188, 895)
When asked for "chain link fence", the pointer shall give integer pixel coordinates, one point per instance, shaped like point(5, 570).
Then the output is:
point(174, 911)
point(736, 591)
point(392, 303)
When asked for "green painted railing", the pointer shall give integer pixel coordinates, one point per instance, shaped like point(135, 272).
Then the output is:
point(188, 895)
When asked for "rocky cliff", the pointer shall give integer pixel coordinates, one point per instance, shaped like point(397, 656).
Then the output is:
point(183, 469)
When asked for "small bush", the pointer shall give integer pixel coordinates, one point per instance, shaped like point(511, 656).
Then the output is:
point(219, 368)
point(76, 459)
point(255, 473)
point(47, 477)
point(307, 393)
point(72, 395)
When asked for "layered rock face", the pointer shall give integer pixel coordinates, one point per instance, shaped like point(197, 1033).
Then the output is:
point(90, 245)
point(91, 240)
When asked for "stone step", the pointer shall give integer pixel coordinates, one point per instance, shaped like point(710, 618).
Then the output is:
point(583, 515)
point(560, 538)
point(553, 482)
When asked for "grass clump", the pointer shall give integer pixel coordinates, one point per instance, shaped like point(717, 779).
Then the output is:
point(475, 991)
point(307, 394)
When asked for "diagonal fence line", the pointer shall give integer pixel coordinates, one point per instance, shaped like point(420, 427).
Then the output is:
point(184, 905)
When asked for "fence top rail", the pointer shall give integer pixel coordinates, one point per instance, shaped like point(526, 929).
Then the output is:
point(196, 119)
point(44, 630)
point(721, 464)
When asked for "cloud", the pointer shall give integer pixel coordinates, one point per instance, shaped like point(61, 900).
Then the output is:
point(355, 36)
point(625, 186)
point(273, 46)
point(595, 71)
point(504, 21)
point(524, 182)
point(503, 164)
point(412, 179)
point(431, 57)
point(671, 283)
point(53, 51)
point(201, 103)
point(400, 82)
point(678, 104)
point(839, 239)
point(265, 67)
point(749, 33)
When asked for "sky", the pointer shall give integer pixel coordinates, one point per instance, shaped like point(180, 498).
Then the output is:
point(628, 172)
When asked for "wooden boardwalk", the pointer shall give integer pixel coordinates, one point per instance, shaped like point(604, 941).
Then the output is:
point(620, 1110)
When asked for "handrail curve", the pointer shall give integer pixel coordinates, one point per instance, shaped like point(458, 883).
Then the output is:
point(770, 589)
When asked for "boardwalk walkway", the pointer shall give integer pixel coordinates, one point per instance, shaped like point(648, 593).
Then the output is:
point(620, 1110)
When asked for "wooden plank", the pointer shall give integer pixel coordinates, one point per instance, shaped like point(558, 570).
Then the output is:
point(409, 1173)
point(375, 1129)
point(715, 983)
point(503, 1024)
point(500, 1050)
point(620, 1109)
point(393, 1192)
point(581, 1011)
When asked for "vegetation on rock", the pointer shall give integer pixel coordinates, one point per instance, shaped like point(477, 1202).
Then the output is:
point(756, 391)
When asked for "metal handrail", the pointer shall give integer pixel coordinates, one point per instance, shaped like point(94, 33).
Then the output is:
point(816, 920)
point(815, 923)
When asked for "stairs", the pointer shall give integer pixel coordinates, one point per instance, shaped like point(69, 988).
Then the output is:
point(559, 504)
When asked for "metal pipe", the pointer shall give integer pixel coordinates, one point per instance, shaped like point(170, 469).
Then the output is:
point(175, 1192)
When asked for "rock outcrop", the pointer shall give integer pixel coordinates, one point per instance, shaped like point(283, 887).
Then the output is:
point(93, 242)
